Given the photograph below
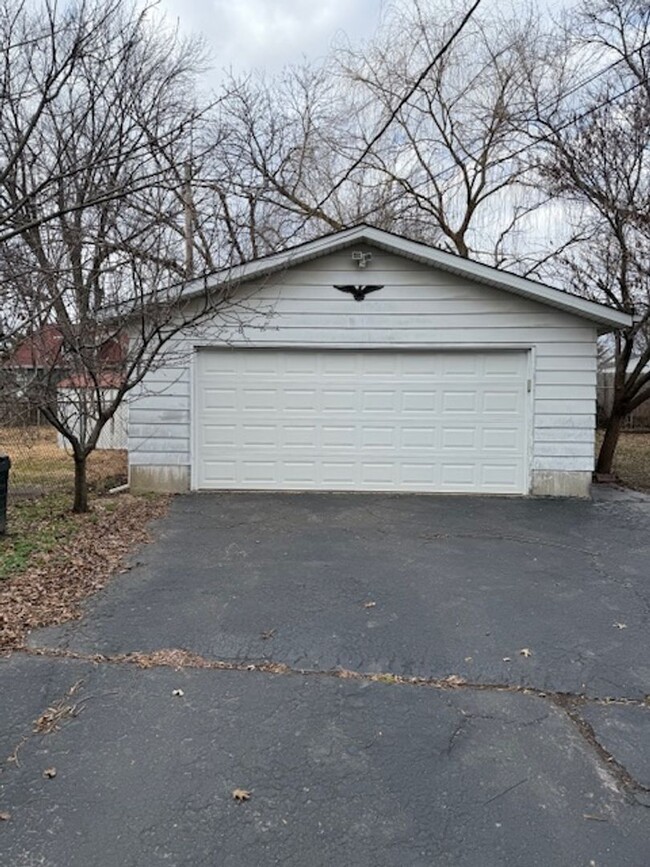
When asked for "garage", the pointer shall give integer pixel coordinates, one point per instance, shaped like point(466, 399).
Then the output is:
point(368, 420)
point(366, 361)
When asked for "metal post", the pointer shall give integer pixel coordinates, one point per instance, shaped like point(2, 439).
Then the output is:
point(5, 464)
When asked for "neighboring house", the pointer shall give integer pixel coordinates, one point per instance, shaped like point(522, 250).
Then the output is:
point(34, 362)
point(453, 377)
point(40, 361)
point(638, 419)
point(78, 407)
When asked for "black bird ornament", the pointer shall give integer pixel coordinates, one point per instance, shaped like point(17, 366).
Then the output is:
point(358, 292)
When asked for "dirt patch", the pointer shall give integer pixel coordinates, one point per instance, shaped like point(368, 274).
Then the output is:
point(52, 586)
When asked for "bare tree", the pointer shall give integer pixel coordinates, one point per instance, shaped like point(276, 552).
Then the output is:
point(95, 205)
point(449, 166)
point(279, 153)
point(599, 165)
point(306, 152)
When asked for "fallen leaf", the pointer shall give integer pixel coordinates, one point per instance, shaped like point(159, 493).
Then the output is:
point(620, 625)
point(49, 773)
point(270, 633)
point(369, 604)
point(51, 590)
point(241, 795)
point(4, 817)
point(178, 692)
point(525, 651)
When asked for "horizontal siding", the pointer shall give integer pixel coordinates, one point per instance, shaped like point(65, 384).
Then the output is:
point(162, 403)
point(435, 333)
point(141, 415)
point(564, 435)
point(418, 307)
point(158, 459)
point(174, 430)
point(164, 445)
point(564, 449)
point(565, 365)
point(552, 324)
point(565, 378)
point(559, 422)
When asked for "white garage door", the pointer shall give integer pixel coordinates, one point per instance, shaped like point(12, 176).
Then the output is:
point(368, 420)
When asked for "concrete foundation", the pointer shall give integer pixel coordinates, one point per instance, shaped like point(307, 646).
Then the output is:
point(164, 480)
point(547, 483)
point(176, 480)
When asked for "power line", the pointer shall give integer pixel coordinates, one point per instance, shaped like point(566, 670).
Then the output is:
point(393, 114)
point(548, 137)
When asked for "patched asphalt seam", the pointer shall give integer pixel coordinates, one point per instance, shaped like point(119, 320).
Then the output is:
point(568, 703)
point(57, 714)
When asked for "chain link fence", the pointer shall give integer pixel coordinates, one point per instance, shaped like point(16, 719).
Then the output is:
point(638, 420)
point(41, 464)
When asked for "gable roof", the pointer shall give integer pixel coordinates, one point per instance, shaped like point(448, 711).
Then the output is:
point(602, 314)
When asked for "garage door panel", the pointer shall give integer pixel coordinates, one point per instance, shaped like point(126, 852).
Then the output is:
point(500, 439)
point(499, 365)
point(418, 476)
point(462, 365)
point(300, 399)
point(422, 400)
point(361, 420)
point(219, 435)
point(301, 473)
point(335, 473)
point(339, 400)
point(298, 435)
point(496, 476)
point(219, 399)
point(377, 437)
point(459, 438)
point(423, 437)
point(379, 401)
point(506, 401)
point(460, 401)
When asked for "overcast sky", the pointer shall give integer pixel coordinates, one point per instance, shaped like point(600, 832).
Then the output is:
point(267, 34)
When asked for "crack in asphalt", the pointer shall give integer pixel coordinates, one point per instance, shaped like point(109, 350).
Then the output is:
point(56, 715)
point(616, 769)
point(568, 703)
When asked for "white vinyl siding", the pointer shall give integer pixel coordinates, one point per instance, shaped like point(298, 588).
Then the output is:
point(420, 307)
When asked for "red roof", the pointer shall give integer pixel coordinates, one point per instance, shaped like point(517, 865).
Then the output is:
point(41, 349)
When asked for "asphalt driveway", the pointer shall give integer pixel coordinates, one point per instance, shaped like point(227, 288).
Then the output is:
point(410, 680)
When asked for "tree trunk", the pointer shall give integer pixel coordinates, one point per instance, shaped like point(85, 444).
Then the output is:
point(610, 441)
point(80, 484)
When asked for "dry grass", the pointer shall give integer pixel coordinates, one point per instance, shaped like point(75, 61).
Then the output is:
point(38, 465)
point(632, 461)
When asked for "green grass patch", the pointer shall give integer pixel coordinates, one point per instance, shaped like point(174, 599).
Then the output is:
point(35, 527)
